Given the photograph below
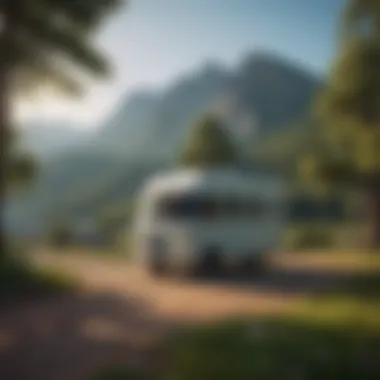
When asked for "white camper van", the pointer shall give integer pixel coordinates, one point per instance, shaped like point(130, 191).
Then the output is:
point(208, 219)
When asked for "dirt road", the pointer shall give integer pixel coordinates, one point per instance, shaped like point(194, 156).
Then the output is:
point(121, 311)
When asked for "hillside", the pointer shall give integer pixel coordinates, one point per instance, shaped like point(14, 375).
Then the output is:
point(47, 138)
point(129, 123)
point(148, 129)
point(275, 92)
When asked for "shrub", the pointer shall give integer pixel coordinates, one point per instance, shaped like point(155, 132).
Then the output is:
point(19, 277)
point(310, 237)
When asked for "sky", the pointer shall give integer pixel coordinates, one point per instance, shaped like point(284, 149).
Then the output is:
point(152, 42)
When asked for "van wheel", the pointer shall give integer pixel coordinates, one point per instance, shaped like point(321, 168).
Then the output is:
point(255, 265)
point(158, 265)
point(211, 263)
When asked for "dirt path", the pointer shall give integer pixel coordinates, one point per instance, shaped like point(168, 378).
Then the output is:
point(121, 311)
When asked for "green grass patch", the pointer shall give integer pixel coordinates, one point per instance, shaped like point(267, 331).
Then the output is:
point(334, 337)
point(272, 349)
point(351, 313)
point(19, 277)
point(326, 338)
point(365, 264)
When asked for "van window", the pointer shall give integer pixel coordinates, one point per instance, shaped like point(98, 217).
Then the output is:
point(209, 207)
point(242, 207)
point(255, 207)
point(233, 207)
point(188, 207)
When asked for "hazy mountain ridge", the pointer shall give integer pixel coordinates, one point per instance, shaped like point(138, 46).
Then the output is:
point(47, 138)
point(148, 129)
point(274, 91)
point(265, 87)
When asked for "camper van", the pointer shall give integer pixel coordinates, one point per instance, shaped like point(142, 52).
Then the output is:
point(208, 219)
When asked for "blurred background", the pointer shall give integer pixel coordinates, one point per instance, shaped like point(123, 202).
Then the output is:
point(261, 64)
point(96, 97)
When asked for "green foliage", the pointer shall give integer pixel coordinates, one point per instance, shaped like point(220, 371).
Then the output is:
point(21, 171)
point(350, 103)
point(45, 41)
point(209, 145)
point(283, 150)
point(310, 237)
point(322, 337)
point(54, 34)
point(270, 349)
point(361, 18)
point(321, 235)
point(18, 277)
point(350, 108)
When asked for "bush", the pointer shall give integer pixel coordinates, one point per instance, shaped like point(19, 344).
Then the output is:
point(310, 237)
point(19, 277)
point(266, 349)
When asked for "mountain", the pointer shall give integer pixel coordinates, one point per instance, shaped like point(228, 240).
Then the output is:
point(273, 91)
point(266, 93)
point(46, 138)
point(154, 124)
point(267, 90)
point(128, 125)
point(182, 105)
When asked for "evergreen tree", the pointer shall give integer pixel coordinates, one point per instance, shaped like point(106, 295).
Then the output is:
point(41, 42)
point(209, 145)
point(350, 107)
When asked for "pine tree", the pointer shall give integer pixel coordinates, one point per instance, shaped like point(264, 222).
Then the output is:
point(44, 42)
point(209, 145)
point(350, 107)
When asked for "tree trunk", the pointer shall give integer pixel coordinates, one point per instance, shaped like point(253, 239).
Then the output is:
point(5, 71)
point(374, 216)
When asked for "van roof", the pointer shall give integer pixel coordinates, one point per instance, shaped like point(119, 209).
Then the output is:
point(216, 180)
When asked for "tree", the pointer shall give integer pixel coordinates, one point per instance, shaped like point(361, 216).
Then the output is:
point(43, 42)
point(209, 145)
point(350, 107)
point(22, 166)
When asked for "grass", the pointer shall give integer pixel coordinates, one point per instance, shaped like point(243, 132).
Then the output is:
point(346, 312)
point(328, 337)
point(331, 337)
point(267, 349)
point(324, 338)
point(271, 349)
point(361, 262)
point(19, 277)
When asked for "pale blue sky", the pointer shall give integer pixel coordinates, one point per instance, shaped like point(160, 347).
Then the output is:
point(155, 41)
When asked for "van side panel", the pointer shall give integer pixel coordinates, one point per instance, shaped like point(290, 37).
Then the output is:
point(186, 240)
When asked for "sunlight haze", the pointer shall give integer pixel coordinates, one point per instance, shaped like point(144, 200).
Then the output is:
point(153, 42)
